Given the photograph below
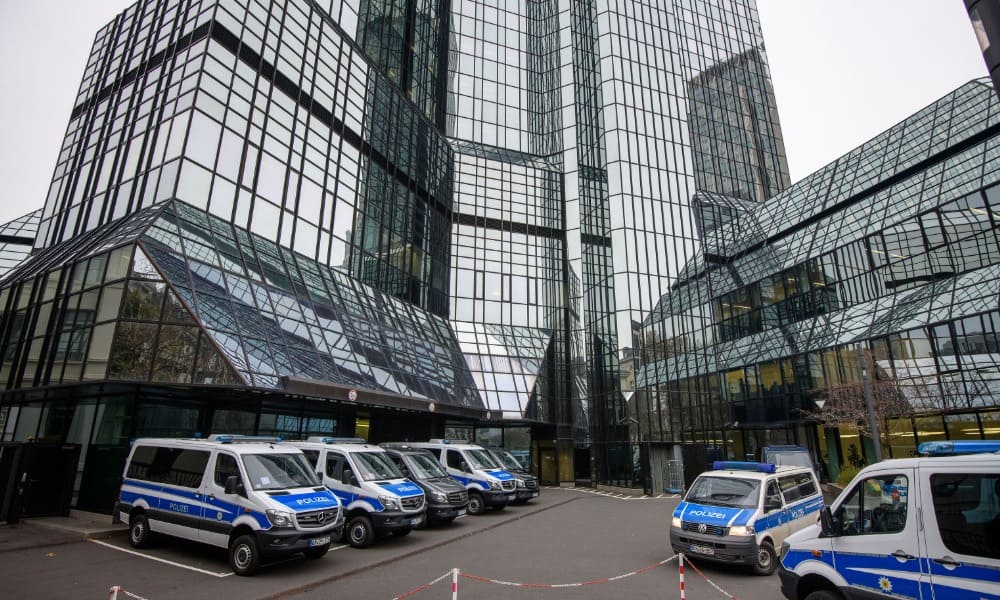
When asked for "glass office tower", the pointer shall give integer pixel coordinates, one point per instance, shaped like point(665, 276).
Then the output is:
point(387, 219)
point(888, 256)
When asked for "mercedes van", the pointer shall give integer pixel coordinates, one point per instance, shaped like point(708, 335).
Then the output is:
point(378, 499)
point(447, 499)
point(925, 527)
point(254, 496)
point(489, 485)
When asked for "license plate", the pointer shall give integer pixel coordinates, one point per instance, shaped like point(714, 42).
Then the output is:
point(534, 494)
point(319, 541)
point(511, 496)
point(706, 550)
point(417, 521)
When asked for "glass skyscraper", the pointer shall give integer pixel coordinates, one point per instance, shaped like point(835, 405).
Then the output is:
point(386, 219)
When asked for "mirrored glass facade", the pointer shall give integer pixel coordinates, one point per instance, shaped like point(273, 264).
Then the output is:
point(890, 251)
point(466, 212)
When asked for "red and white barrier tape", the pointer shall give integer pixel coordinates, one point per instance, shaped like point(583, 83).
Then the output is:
point(113, 593)
point(423, 587)
point(569, 585)
point(709, 581)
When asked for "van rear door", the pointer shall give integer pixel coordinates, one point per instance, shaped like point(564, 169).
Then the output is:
point(962, 529)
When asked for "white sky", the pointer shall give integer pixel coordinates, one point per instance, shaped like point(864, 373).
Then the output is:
point(843, 71)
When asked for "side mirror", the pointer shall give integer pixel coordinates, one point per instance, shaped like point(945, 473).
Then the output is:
point(319, 475)
point(348, 477)
point(827, 525)
point(772, 503)
point(464, 467)
point(234, 485)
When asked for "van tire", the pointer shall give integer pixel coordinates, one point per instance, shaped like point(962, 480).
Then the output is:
point(767, 559)
point(139, 535)
point(476, 504)
point(244, 555)
point(317, 553)
point(360, 532)
point(824, 595)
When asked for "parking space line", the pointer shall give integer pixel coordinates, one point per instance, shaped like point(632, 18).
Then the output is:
point(162, 560)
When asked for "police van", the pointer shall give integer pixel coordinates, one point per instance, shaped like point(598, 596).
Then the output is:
point(489, 485)
point(254, 496)
point(740, 512)
point(925, 527)
point(527, 484)
point(447, 499)
point(378, 499)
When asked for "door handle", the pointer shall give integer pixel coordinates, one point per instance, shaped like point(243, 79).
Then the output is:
point(947, 562)
point(902, 555)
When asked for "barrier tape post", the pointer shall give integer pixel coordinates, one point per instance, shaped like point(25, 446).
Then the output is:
point(113, 593)
point(680, 571)
point(454, 584)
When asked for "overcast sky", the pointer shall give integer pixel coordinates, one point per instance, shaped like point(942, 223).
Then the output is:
point(843, 71)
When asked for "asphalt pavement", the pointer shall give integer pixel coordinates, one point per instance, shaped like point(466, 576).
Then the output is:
point(569, 544)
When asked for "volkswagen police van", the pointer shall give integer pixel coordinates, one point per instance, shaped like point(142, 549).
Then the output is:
point(377, 498)
point(925, 527)
point(489, 485)
point(741, 512)
point(255, 497)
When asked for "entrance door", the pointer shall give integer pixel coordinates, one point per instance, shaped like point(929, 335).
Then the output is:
point(548, 467)
point(44, 480)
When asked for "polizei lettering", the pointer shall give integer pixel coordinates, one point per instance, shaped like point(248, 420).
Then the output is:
point(705, 513)
point(313, 500)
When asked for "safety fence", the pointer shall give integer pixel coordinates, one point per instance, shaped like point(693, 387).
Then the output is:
point(455, 574)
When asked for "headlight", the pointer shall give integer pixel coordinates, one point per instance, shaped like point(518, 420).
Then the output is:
point(741, 530)
point(390, 502)
point(438, 497)
point(675, 522)
point(494, 484)
point(520, 483)
point(280, 518)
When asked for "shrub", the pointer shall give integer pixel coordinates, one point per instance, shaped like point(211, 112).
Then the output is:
point(847, 473)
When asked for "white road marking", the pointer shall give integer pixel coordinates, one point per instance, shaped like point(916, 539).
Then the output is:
point(163, 560)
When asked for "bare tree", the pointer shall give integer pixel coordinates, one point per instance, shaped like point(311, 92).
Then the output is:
point(845, 405)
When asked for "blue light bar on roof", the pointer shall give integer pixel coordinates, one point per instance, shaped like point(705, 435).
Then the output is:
point(337, 440)
point(958, 447)
point(740, 465)
point(230, 438)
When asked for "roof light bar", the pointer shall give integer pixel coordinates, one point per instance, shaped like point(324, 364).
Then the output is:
point(958, 447)
point(245, 439)
point(740, 465)
point(336, 440)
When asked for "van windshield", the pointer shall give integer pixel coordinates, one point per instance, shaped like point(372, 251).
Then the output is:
point(509, 462)
point(481, 459)
point(374, 466)
point(725, 491)
point(425, 466)
point(278, 471)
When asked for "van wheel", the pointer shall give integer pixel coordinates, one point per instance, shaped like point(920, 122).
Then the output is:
point(824, 595)
point(317, 552)
point(767, 559)
point(360, 532)
point(139, 535)
point(244, 557)
point(476, 504)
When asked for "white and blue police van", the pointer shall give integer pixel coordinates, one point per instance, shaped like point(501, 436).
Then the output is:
point(378, 499)
point(741, 512)
point(255, 497)
point(925, 527)
point(488, 483)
